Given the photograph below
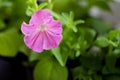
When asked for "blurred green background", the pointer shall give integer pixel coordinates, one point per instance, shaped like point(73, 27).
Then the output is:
point(90, 49)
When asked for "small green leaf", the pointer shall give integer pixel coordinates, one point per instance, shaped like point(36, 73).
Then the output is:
point(71, 16)
point(115, 44)
point(42, 5)
point(29, 11)
point(32, 7)
point(82, 44)
point(114, 34)
point(79, 22)
point(88, 34)
point(114, 37)
point(101, 26)
point(62, 58)
point(50, 69)
point(56, 15)
point(102, 42)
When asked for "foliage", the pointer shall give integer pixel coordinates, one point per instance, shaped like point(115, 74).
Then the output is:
point(90, 49)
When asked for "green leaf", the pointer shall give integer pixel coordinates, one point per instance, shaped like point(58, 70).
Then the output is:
point(114, 37)
point(82, 44)
point(32, 4)
point(61, 57)
point(42, 5)
point(29, 11)
point(10, 43)
point(32, 7)
point(101, 26)
point(115, 44)
point(68, 20)
point(56, 15)
point(50, 69)
point(88, 34)
point(114, 34)
point(102, 42)
point(79, 22)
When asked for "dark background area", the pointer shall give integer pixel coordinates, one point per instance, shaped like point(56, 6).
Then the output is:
point(13, 69)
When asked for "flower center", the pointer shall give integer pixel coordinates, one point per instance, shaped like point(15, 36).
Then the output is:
point(42, 27)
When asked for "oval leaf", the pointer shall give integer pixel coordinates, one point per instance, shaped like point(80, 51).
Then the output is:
point(50, 69)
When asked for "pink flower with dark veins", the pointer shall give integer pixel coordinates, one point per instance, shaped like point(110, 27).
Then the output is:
point(42, 32)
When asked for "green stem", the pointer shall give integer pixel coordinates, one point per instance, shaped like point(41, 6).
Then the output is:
point(110, 50)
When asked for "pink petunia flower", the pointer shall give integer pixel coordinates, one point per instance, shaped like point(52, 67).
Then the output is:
point(42, 32)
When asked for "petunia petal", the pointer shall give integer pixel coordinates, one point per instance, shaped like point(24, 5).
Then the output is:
point(51, 40)
point(27, 29)
point(35, 41)
point(41, 17)
point(55, 27)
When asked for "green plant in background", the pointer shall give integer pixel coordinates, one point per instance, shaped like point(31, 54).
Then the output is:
point(89, 50)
